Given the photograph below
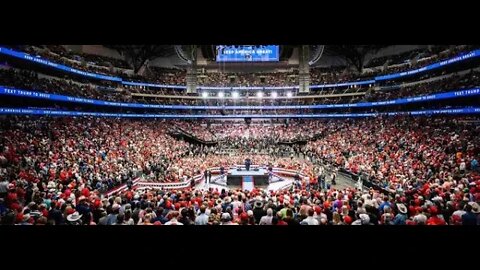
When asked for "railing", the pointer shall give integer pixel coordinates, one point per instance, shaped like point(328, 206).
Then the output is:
point(138, 183)
point(9, 91)
point(39, 60)
point(61, 113)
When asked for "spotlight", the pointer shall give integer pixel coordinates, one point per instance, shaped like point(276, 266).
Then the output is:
point(260, 94)
point(220, 94)
point(274, 94)
point(235, 95)
point(289, 94)
point(204, 94)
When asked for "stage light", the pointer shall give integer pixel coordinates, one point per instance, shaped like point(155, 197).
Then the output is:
point(289, 94)
point(221, 95)
point(204, 94)
point(274, 94)
point(260, 94)
point(235, 95)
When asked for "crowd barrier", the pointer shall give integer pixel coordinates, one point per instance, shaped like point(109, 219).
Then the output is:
point(140, 184)
point(459, 93)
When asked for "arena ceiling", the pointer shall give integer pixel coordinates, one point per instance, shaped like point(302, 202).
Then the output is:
point(353, 54)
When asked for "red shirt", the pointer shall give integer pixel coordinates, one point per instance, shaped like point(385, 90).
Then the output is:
point(435, 220)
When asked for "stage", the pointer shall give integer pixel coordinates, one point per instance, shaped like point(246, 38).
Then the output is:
point(240, 178)
point(257, 177)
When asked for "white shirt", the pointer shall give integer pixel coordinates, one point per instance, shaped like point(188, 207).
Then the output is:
point(202, 219)
point(266, 220)
point(311, 221)
point(173, 221)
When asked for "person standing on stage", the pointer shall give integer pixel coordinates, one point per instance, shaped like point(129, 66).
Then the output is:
point(192, 183)
point(270, 172)
point(247, 164)
point(321, 180)
point(334, 177)
point(205, 175)
point(209, 174)
point(297, 181)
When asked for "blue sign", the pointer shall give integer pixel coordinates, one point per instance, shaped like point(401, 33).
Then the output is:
point(247, 87)
point(154, 85)
point(42, 61)
point(459, 58)
point(342, 84)
point(247, 53)
point(32, 94)
point(28, 111)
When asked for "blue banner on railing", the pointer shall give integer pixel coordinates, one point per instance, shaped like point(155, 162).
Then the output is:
point(39, 60)
point(32, 94)
point(247, 87)
point(342, 84)
point(28, 111)
point(154, 85)
point(42, 61)
point(456, 59)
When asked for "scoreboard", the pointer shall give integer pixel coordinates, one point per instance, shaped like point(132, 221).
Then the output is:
point(247, 53)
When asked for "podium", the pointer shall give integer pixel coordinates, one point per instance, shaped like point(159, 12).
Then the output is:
point(259, 176)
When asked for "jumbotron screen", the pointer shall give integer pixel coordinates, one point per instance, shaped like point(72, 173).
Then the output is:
point(247, 53)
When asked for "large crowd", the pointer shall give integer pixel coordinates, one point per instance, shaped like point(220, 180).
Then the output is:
point(30, 80)
point(407, 57)
point(402, 151)
point(407, 170)
point(57, 170)
point(58, 52)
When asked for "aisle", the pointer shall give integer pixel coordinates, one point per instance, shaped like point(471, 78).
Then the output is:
point(247, 183)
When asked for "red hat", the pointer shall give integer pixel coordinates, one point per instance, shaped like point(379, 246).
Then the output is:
point(19, 218)
point(410, 222)
point(347, 219)
point(158, 223)
point(97, 203)
point(85, 192)
point(70, 211)
point(318, 209)
point(15, 206)
point(168, 205)
point(433, 210)
point(177, 206)
point(456, 219)
point(243, 216)
point(326, 204)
